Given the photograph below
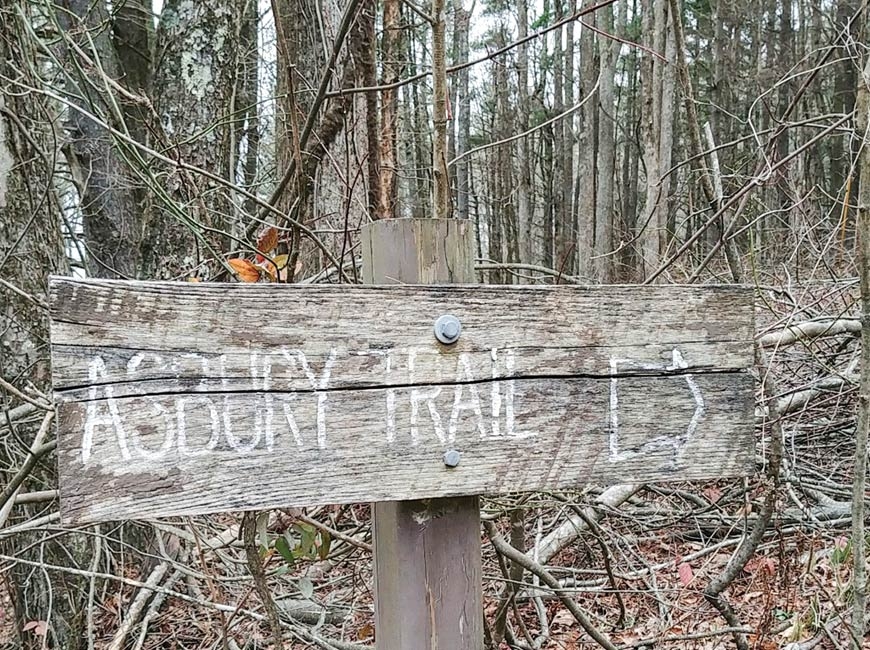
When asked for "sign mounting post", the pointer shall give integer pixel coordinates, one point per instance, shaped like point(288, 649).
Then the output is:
point(427, 561)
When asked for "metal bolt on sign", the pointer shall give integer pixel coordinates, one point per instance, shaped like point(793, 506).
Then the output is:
point(451, 458)
point(447, 329)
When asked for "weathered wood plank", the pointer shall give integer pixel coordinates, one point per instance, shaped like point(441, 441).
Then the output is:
point(166, 336)
point(187, 398)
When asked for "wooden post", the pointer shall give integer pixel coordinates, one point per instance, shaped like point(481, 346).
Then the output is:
point(427, 565)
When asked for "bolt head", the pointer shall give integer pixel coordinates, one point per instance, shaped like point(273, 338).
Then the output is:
point(447, 329)
point(451, 458)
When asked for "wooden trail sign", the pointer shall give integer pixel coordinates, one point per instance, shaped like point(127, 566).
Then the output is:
point(187, 398)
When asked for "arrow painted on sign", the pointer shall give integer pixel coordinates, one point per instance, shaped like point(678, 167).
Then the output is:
point(675, 442)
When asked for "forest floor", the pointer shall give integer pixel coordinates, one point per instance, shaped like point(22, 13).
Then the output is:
point(793, 590)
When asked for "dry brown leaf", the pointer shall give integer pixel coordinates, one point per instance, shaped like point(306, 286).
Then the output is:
point(268, 241)
point(367, 631)
point(276, 268)
point(37, 627)
point(246, 271)
point(686, 573)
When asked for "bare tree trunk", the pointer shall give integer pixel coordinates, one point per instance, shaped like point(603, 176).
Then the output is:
point(650, 83)
point(112, 225)
point(525, 208)
point(31, 248)
point(588, 147)
point(299, 60)
point(194, 79)
point(859, 485)
point(630, 258)
point(846, 82)
point(606, 153)
point(248, 129)
point(566, 263)
point(391, 53)
point(561, 233)
point(419, 124)
point(461, 104)
point(441, 204)
point(368, 76)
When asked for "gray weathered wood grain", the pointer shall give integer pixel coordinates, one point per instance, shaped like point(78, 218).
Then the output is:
point(179, 398)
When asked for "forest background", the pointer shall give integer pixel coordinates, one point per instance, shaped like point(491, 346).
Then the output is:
point(631, 141)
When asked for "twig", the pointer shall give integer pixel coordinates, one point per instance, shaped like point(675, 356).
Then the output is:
point(40, 496)
point(37, 450)
point(557, 539)
point(489, 145)
point(137, 606)
point(92, 585)
point(23, 396)
point(258, 574)
point(547, 578)
point(336, 534)
point(713, 591)
point(36, 301)
point(657, 640)
point(154, 608)
point(810, 330)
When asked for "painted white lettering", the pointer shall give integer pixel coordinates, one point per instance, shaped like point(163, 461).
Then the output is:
point(676, 443)
point(390, 393)
point(495, 395)
point(261, 379)
point(291, 421)
point(510, 401)
point(427, 396)
point(96, 418)
point(181, 425)
point(159, 410)
point(233, 440)
point(463, 374)
point(319, 384)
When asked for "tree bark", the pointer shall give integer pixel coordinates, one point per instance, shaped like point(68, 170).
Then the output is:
point(461, 104)
point(859, 485)
point(441, 203)
point(108, 203)
point(391, 54)
point(525, 206)
point(194, 78)
point(31, 248)
point(587, 172)
point(606, 153)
